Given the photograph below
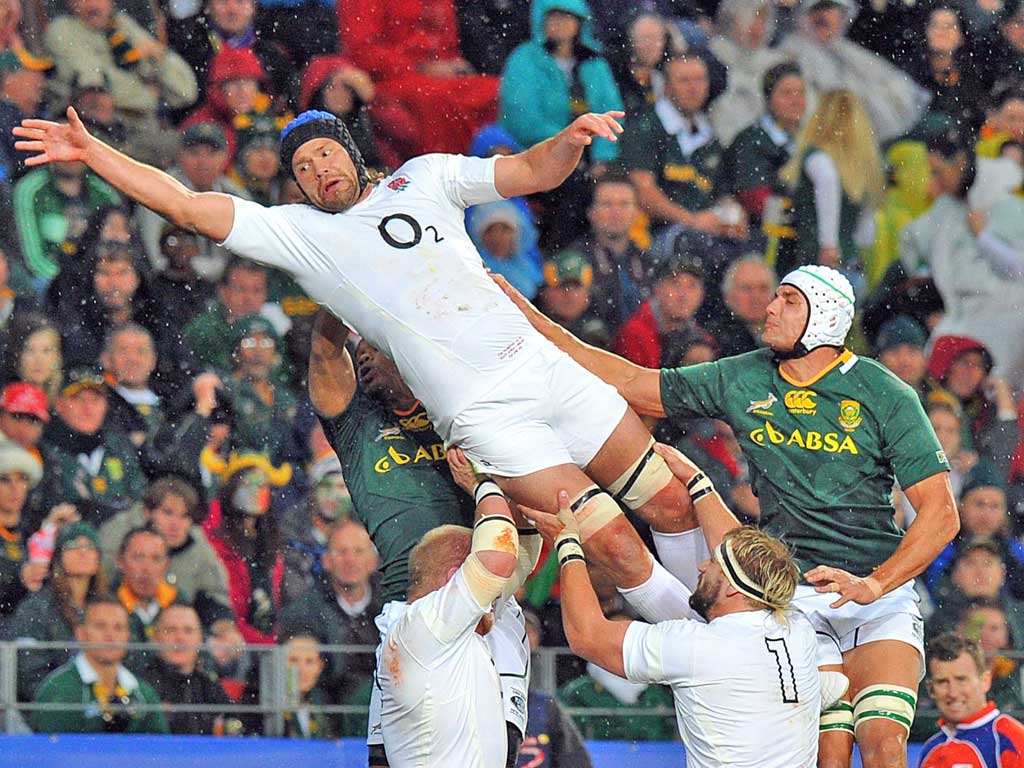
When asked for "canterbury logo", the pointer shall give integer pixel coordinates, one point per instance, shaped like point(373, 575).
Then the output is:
point(801, 401)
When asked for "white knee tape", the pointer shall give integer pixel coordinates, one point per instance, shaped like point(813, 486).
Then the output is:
point(886, 702)
point(594, 509)
point(838, 717)
point(643, 480)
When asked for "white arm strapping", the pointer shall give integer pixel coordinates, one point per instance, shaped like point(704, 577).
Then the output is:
point(495, 533)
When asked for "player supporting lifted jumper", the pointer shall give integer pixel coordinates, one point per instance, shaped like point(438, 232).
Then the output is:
point(392, 258)
point(441, 694)
point(825, 433)
point(401, 486)
point(750, 671)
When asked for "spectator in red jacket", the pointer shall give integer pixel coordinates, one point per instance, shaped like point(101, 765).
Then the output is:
point(235, 95)
point(245, 539)
point(334, 84)
point(963, 366)
point(429, 99)
point(654, 332)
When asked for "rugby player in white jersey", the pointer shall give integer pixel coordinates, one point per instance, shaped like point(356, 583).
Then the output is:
point(741, 663)
point(391, 257)
point(441, 699)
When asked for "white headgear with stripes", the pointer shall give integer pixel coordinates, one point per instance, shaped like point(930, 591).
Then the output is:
point(830, 303)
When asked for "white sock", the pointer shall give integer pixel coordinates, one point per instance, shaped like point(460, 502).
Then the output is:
point(661, 598)
point(682, 553)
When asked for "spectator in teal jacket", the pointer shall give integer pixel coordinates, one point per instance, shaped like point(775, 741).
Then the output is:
point(556, 76)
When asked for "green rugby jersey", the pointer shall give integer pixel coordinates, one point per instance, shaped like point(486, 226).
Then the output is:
point(822, 453)
point(395, 468)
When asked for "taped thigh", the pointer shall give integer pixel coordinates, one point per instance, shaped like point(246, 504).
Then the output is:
point(837, 718)
point(642, 481)
point(593, 509)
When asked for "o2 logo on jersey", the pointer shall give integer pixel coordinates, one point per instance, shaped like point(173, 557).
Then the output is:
point(402, 231)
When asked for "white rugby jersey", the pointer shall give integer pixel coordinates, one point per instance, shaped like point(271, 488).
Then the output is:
point(746, 688)
point(400, 269)
point(441, 701)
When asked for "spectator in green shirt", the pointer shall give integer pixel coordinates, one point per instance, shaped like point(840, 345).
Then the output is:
point(103, 696)
point(52, 205)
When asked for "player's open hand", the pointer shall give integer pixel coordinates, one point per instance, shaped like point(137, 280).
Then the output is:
point(53, 142)
point(554, 527)
point(678, 462)
point(462, 470)
point(862, 590)
point(585, 128)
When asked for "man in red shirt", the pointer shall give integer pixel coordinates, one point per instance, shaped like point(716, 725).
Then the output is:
point(974, 733)
point(664, 326)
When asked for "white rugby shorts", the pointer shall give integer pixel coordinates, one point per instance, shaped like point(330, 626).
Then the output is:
point(551, 411)
point(894, 616)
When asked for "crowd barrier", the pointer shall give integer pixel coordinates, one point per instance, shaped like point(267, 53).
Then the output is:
point(202, 752)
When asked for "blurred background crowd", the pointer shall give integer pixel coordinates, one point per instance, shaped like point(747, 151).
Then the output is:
point(152, 384)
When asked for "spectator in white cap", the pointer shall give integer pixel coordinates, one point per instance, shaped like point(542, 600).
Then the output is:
point(507, 241)
point(826, 433)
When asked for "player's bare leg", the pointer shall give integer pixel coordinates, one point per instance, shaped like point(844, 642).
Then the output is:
point(835, 746)
point(882, 675)
point(608, 537)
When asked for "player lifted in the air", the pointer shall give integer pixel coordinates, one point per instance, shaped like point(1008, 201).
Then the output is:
point(392, 258)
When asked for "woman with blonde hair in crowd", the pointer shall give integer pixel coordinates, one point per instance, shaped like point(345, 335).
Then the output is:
point(835, 179)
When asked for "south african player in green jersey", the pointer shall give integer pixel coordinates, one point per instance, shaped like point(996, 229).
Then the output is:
point(826, 434)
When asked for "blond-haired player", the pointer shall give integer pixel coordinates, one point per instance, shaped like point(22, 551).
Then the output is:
point(745, 683)
point(441, 698)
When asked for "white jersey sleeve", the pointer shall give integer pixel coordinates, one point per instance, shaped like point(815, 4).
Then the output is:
point(274, 236)
point(663, 653)
point(448, 612)
point(467, 180)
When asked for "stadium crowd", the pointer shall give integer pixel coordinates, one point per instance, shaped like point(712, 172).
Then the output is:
point(163, 475)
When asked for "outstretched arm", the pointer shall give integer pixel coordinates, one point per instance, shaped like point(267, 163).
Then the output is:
point(715, 518)
point(640, 386)
point(590, 634)
point(332, 377)
point(208, 213)
point(546, 165)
